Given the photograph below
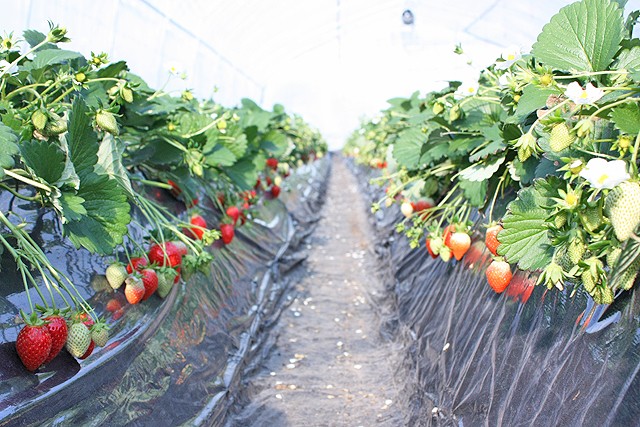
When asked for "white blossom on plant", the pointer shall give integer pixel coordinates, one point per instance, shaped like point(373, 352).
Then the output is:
point(467, 89)
point(509, 56)
point(601, 173)
point(581, 96)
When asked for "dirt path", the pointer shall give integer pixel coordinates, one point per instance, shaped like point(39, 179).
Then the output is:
point(329, 366)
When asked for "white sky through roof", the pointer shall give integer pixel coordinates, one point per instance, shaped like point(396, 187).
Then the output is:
point(331, 61)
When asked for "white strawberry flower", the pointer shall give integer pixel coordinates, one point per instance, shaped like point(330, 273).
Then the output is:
point(176, 69)
point(581, 96)
point(601, 173)
point(467, 89)
point(509, 56)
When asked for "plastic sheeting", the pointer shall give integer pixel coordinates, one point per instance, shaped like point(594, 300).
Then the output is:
point(176, 361)
point(526, 357)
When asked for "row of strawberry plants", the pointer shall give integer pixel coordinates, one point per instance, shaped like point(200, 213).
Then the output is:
point(544, 145)
point(89, 140)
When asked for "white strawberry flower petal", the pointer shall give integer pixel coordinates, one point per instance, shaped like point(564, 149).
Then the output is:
point(6, 68)
point(581, 96)
point(467, 89)
point(601, 173)
point(509, 56)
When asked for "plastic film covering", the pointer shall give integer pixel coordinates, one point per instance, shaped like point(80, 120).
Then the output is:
point(176, 361)
point(526, 357)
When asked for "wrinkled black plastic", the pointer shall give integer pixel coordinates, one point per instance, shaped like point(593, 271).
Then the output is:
point(525, 357)
point(168, 362)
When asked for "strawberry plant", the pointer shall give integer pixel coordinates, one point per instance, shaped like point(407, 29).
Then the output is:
point(544, 144)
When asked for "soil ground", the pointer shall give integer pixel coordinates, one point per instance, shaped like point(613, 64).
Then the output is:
point(329, 365)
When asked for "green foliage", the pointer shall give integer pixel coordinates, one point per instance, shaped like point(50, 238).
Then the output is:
point(583, 36)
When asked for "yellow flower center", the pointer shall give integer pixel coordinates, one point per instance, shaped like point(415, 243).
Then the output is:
point(584, 95)
point(471, 89)
point(572, 199)
point(511, 57)
point(603, 178)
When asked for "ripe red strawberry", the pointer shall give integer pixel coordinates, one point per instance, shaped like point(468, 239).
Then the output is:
point(150, 283)
point(177, 278)
point(422, 205)
point(133, 289)
point(258, 182)
point(459, 244)
point(113, 305)
point(227, 232)
point(136, 264)
point(57, 327)
point(272, 163)
point(446, 234)
point(180, 246)
point(234, 213)
point(275, 191)
point(33, 344)
point(175, 190)
point(198, 230)
point(491, 238)
point(165, 254)
point(499, 275)
point(269, 182)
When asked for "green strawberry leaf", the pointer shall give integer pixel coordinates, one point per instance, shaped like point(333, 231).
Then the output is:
point(244, 174)
point(474, 191)
point(627, 118)
point(48, 57)
point(275, 143)
point(45, 159)
point(524, 239)
point(8, 148)
point(220, 155)
point(533, 98)
point(481, 171)
point(110, 162)
point(237, 145)
point(583, 36)
point(70, 207)
point(628, 59)
point(82, 140)
point(408, 148)
point(101, 229)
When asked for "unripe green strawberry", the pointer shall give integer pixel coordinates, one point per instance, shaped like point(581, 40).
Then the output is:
point(560, 219)
point(100, 334)
point(588, 281)
point(165, 281)
point(561, 137)
point(627, 279)
point(563, 259)
point(628, 276)
point(576, 250)
point(613, 255)
point(591, 217)
point(39, 119)
point(622, 206)
point(107, 122)
point(126, 94)
point(454, 113)
point(437, 108)
point(602, 295)
point(55, 126)
point(116, 274)
point(78, 339)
